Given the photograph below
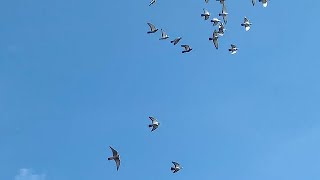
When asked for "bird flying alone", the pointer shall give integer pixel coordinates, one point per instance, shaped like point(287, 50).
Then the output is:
point(154, 123)
point(115, 156)
point(246, 23)
point(176, 167)
point(163, 35)
point(153, 29)
point(176, 40)
point(233, 49)
point(205, 14)
point(187, 48)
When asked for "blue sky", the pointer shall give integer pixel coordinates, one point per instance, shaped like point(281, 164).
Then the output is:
point(78, 76)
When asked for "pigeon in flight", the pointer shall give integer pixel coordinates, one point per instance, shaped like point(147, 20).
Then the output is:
point(154, 123)
point(187, 48)
point(205, 14)
point(115, 157)
point(163, 35)
point(176, 167)
point(215, 21)
point(233, 49)
point(153, 29)
point(224, 14)
point(152, 2)
point(176, 40)
point(221, 29)
point(214, 38)
point(246, 23)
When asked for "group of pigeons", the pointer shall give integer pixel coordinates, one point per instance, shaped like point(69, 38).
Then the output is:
point(154, 125)
point(215, 35)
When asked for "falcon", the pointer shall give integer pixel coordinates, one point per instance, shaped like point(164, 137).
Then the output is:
point(176, 167)
point(154, 123)
point(115, 157)
point(153, 29)
point(187, 48)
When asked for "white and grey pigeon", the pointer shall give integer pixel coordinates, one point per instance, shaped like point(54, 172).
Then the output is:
point(205, 14)
point(214, 38)
point(187, 48)
point(264, 2)
point(215, 21)
point(176, 40)
point(153, 29)
point(224, 14)
point(152, 2)
point(115, 157)
point(154, 123)
point(176, 167)
point(246, 23)
point(233, 49)
point(253, 2)
point(221, 29)
point(164, 35)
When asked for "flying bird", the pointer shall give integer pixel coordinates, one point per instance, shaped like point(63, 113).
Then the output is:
point(214, 38)
point(115, 157)
point(176, 167)
point(224, 14)
point(152, 2)
point(176, 40)
point(246, 23)
point(187, 48)
point(163, 35)
point(153, 29)
point(215, 21)
point(221, 29)
point(154, 123)
point(205, 14)
point(233, 49)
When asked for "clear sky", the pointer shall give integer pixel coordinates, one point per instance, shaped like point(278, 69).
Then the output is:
point(78, 76)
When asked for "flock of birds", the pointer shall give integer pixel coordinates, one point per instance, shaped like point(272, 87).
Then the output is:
point(216, 34)
point(220, 32)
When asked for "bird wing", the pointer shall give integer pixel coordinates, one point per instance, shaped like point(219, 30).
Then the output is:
point(225, 19)
point(233, 46)
point(175, 164)
point(186, 47)
point(177, 40)
point(253, 2)
point(163, 34)
point(205, 12)
point(114, 152)
point(246, 20)
point(154, 128)
point(153, 119)
point(224, 9)
point(152, 27)
point(215, 42)
point(206, 1)
point(117, 163)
